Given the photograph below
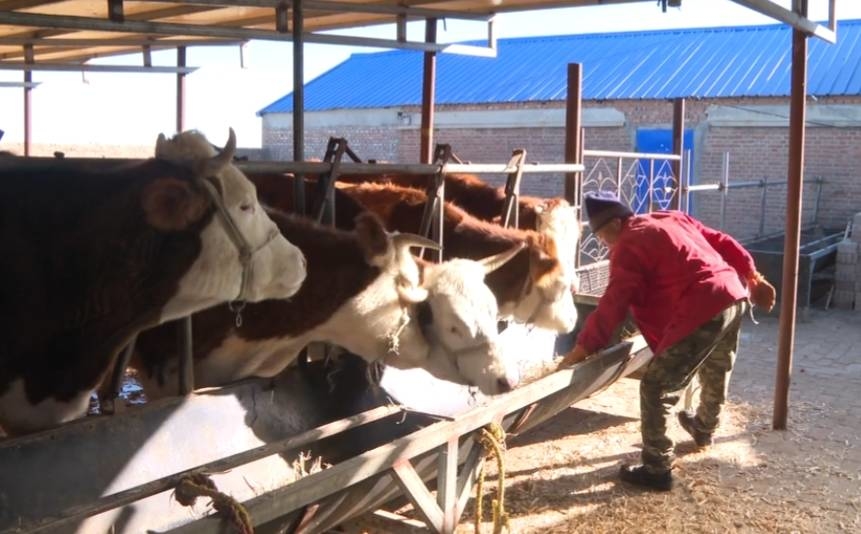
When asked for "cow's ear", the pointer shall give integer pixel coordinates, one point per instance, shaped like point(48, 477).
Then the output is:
point(171, 205)
point(542, 264)
point(372, 236)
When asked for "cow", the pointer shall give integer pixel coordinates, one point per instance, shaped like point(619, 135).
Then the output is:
point(94, 256)
point(553, 216)
point(469, 192)
point(534, 287)
point(364, 292)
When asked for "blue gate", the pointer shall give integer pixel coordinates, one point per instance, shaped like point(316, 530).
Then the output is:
point(657, 141)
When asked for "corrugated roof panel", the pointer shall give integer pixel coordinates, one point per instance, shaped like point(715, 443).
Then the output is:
point(704, 62)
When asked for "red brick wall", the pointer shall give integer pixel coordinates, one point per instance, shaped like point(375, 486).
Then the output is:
point(832, 153)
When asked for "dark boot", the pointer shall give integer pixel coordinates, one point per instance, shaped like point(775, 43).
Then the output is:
point(641, 476)
point(688, 422)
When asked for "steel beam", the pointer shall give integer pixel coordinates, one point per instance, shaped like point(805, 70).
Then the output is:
point(71, 42)
point(797, 21)
point(792, 238)
point(63, 22)
point(573, 132)
point(69, 67)
point(428, 95)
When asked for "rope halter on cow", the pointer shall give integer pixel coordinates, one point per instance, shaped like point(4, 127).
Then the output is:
point(210, 167)
point(246, 251)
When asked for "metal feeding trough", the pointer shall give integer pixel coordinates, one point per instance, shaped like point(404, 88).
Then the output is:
point(117, 473)
point(817, 256)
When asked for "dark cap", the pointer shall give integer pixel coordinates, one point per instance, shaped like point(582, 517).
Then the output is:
point(602, 207)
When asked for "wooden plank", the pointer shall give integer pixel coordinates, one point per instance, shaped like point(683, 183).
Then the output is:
point(75, 513)
point(413, 486)
point(446, 490)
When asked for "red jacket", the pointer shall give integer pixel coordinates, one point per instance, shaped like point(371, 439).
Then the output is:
point(673, 273)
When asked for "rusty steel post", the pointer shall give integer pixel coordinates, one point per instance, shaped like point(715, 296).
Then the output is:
point(792, 240)
point(428, 95)
point(678, 148)
point(573, 132)
point(28, 100)
point(298, 105)
point(180, 90)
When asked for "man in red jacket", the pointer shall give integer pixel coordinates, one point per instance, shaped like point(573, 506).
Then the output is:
point(687, 288)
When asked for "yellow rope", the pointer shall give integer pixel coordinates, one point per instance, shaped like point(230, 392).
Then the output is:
point(193, 486)
point(492, 439)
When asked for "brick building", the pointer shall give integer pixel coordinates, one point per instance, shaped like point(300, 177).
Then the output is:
point(735, 82)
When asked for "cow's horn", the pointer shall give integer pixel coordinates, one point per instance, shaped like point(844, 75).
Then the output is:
point(223, 158)
point(492, 263)
point(414, 240)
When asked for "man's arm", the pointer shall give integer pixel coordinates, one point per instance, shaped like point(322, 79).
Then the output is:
point(626, 279)
point(730, 250)
point(762, 293)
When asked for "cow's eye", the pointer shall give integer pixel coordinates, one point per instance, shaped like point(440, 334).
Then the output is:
point(454, 330)
point(248, 208)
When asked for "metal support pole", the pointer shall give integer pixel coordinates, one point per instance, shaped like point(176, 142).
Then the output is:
point(511, 206)
point(28, 89)
point(180, 90)
point(186, 356)
point(573, 132)
point(298, 106)
point(678, 148)
point(724, 189)
point(428, 95)
point(763, 205)
point(818, 200)
point(792, 240)
point(651, 189)
point(687, 183)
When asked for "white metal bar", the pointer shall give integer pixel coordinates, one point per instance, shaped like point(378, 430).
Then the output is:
point(505, 168)
point(771, 9)
point(414, 488)
point(19, 85)
point(71, 67)
point(629, 155)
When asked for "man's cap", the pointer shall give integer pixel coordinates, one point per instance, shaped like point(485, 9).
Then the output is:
point(602, 207)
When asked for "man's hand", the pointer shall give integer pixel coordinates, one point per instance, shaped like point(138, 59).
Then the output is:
point(578, 354)
point(762, 293)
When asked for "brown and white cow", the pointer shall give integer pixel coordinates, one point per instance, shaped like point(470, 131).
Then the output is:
point(468, 191)
point(364, 292)
point(534, 287)
point(93, 256)
point(554, 216)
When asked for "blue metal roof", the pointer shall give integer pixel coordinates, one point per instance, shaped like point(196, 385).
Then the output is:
point(705, 62)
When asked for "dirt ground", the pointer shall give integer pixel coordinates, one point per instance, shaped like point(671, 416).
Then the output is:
point(562, 476)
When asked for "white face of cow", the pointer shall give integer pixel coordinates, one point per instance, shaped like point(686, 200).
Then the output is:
point(459, 319)
point(558, 219)
point(275, 268)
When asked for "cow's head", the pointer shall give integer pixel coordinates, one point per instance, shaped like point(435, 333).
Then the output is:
point(557, 218)
point(458, 314)
point(548, 296)
point(243, 256)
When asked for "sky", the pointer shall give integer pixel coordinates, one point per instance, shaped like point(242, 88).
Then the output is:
point(132, 108)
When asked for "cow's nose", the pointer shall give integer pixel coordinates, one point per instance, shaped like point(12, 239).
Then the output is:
point(503, 385)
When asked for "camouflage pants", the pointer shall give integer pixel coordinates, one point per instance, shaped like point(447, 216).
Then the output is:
point(708, 352)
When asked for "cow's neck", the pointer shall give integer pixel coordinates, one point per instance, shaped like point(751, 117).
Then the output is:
point(337, 272)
